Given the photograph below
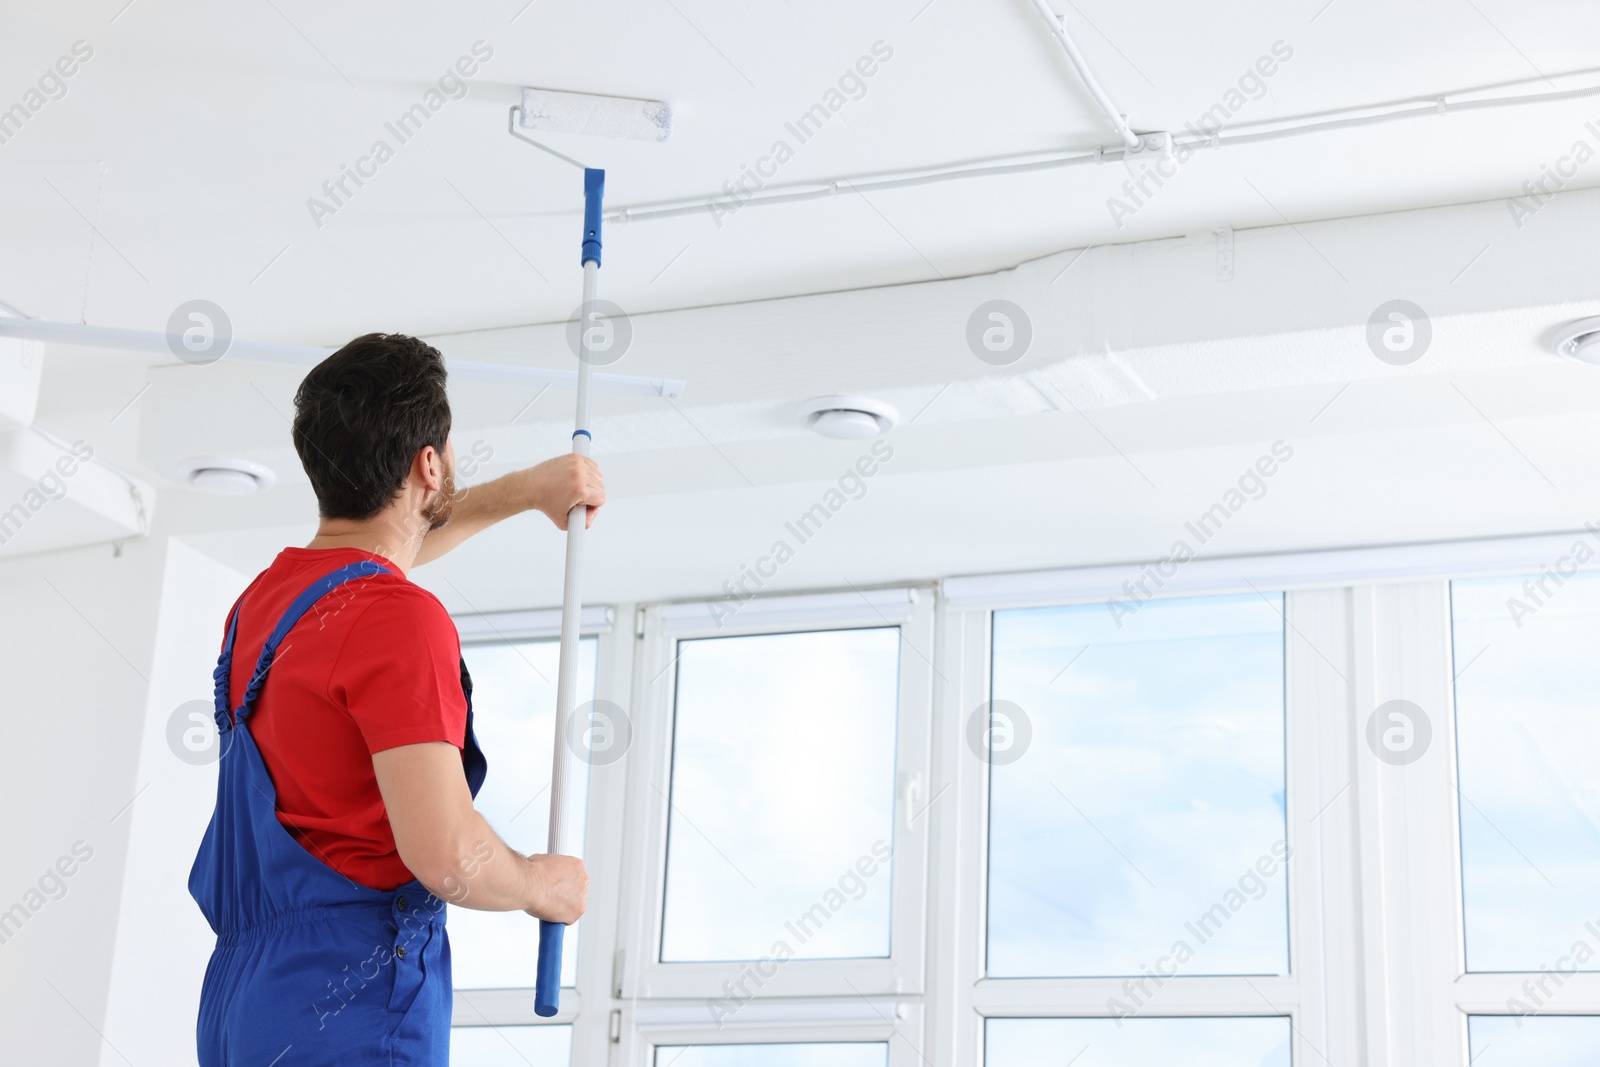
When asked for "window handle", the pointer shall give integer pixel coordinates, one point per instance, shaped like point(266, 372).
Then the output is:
point(910, 796)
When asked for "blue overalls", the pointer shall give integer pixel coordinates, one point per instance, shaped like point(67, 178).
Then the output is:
point(310, 968)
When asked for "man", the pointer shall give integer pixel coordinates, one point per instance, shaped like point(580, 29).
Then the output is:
point(344, 817)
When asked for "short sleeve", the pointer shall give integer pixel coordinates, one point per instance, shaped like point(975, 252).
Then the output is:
point(399, 672)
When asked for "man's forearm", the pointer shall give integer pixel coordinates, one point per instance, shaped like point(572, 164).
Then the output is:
point(452, 850)
point(478, 507)
point(489, 875)
point(554, 487)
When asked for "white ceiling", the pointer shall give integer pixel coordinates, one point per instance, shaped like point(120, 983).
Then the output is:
point(179, 163)
point(196, 134)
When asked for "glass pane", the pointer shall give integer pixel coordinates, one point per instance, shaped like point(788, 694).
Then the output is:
point(1528, 728)
point(510, 1046)
point(1538, 1041)
point(1137, 818)
point(1137, 1042)
point(782, 795)
point(836, 1054)
point(514, 715)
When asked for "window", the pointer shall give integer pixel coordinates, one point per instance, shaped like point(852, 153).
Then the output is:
point(1150, 1042)
point(835, 1054)
point(1256, 823)
point(514, 707)
point(782, 796)
point(777, 814)
point(1132, 844)
point(1141, 821)
point(1548, 1041)
point(510, 1046)
point(1528, 736)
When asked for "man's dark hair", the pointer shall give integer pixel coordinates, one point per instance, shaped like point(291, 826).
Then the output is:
point(361, 416)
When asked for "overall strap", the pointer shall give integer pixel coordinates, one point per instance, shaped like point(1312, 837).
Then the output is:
point(302, 604)
point(222, 675)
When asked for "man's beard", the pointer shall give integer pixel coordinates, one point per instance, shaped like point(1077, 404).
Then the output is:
point(437, 513)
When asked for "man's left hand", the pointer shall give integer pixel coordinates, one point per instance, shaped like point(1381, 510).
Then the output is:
point(558, 485)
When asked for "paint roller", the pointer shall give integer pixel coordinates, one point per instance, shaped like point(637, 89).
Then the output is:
point(549, 111)
point(595, 116)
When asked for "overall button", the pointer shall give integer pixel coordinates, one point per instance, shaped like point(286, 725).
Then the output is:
point(401, 903)
point(400, 952)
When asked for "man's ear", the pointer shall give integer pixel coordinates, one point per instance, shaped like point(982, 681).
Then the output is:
point(428, 466)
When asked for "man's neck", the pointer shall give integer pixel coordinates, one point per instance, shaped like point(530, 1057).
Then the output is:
point(395, 537)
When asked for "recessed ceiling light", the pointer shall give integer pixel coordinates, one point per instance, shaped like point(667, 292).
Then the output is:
point(847, 417)
point(1579, 340)
point(226, 475)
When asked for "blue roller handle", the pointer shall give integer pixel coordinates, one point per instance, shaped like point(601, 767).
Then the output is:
point(547, 995)
point(594, 191)
point(547, 986)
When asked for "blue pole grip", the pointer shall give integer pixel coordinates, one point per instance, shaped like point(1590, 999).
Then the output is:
point(547, 988)
point(594, 191)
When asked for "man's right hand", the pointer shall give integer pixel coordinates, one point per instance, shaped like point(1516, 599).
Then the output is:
point(566, 888)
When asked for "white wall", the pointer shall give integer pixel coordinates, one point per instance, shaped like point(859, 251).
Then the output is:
point(98, 651)
point(162, 940)
point(77, 634)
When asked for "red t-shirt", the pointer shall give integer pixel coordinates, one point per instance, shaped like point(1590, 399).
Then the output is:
point(374, 664)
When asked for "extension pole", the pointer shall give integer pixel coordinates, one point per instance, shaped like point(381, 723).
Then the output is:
point(565, 801)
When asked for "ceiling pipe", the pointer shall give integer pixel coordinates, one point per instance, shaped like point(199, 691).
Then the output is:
point(1118, 120)
point(307, 356)
point(1022, 163)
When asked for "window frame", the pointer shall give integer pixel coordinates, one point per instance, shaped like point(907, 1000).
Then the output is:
point(642, 975)
point(775, 1021)
point(1488, 993)
point(1377, 937)
point(967, 997)
point(515, 1006)
point(1377, 957)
